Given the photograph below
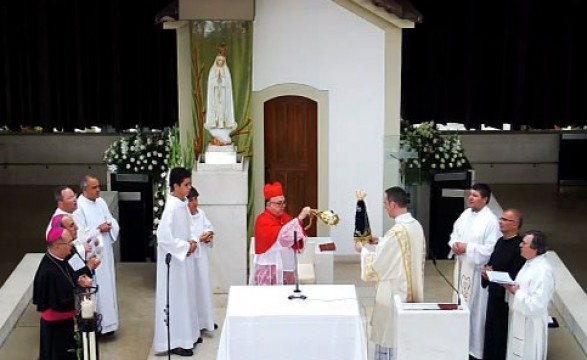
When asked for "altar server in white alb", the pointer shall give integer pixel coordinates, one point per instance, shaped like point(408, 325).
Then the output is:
point(528, 329)
point(396, 262)
point(101, 228)
point(203, 232)
point(474, 235)
point(174, 237)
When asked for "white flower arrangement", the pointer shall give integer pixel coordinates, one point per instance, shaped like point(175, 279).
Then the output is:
point(141, 153)
point(154, 154)
point(436, 152)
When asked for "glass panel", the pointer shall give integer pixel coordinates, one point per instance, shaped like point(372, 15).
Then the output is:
point(401, 156)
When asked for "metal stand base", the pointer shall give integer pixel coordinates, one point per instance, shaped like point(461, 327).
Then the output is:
point(88, 328)
point(297, 295)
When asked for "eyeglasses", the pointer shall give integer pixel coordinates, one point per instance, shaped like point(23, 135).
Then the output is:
point(65, 243)
point(508, 220)
point(279, 203)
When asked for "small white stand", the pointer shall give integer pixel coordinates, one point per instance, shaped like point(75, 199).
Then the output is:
point(424, 331)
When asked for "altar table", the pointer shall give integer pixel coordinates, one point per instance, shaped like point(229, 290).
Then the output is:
point(262, 323)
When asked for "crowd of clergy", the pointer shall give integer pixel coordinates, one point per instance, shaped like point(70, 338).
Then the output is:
point(79, 254)
point(79, 240)
point(507, 320)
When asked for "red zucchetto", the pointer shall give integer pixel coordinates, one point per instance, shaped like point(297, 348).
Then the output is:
point(273, 190)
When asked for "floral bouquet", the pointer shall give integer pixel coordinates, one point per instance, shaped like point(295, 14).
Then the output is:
point(437, 152)
point(149, 153)
point(140, 154)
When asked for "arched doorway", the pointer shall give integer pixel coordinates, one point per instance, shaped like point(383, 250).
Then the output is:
point(291, 150)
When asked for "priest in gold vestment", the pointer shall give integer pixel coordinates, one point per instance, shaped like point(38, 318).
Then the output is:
point(396, 263)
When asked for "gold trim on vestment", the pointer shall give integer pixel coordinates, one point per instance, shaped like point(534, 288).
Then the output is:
point(405, 246)
point(363, 239)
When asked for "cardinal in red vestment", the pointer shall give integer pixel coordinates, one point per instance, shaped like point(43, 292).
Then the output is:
point(274, 261)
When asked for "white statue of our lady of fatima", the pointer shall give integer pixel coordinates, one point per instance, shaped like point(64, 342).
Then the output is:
point(220, 109)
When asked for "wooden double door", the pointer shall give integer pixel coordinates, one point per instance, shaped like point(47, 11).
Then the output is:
point(291, 150)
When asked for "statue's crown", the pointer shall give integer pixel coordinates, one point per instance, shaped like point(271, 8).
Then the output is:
point(221, 49)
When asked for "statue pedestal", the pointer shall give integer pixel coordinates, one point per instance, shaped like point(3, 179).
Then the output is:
point(223, 196)
point(220, 154)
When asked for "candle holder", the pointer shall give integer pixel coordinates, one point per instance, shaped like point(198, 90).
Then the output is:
point(85, 302)
point(88, 322)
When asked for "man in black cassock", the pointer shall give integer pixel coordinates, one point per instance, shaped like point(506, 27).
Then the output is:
point(505, 257)
point(53, 293)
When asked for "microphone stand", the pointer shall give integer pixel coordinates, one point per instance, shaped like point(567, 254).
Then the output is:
point(297, 292)
point(166, 310)
point(456, 290)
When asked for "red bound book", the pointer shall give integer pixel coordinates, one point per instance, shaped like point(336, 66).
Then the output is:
point(327, 247)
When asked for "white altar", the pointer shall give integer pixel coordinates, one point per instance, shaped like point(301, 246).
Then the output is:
point(425, 331)
point(223, 192)
point(263, 324)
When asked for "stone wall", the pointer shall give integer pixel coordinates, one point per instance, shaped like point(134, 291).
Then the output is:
point(52, 159)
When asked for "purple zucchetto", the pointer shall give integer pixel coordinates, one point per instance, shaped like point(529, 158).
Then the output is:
point(54, 234)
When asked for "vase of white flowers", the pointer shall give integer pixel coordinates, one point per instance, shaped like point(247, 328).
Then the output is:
point(436, 153)
point(144, 153)
point(153, 154)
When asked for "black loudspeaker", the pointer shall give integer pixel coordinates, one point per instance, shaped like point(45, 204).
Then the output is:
point(135, 215)
point(571, 148)
point(446, 204)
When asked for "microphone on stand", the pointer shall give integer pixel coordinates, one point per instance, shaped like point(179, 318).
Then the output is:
point(166, 310)
point(297, 292)
point(456, 290)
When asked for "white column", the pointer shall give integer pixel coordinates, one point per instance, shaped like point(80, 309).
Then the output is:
point(223, 196)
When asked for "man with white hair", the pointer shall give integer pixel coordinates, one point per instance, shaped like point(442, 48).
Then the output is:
point(532, 292)
point(100, 227)
point(53, 294)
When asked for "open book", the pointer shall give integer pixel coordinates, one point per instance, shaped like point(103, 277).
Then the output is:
point(500, 277)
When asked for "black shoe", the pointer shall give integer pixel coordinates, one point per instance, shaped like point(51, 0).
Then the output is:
point(199, 341)
point(182, 352)
point(206, 329)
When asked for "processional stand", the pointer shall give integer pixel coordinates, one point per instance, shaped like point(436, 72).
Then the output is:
point(88, 321)
point(329, 218)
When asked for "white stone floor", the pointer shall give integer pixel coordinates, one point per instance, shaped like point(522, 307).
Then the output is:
point(136, 300)
point(561, 214)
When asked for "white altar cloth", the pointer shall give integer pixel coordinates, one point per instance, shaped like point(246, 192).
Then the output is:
point(262, 323)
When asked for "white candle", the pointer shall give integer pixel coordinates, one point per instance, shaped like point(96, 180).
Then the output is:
point(87, 309)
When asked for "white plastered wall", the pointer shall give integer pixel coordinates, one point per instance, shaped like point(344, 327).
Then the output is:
point(324, 47)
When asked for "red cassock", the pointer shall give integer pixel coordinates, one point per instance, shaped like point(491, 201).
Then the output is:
point(267, 229)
